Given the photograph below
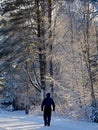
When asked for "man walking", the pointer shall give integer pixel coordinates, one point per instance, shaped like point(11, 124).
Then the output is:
point(47, 105)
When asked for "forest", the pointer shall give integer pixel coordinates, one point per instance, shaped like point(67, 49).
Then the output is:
point(50, 46)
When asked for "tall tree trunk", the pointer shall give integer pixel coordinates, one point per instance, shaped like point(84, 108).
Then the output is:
point(50, 44)
point(41, 47)
point(87, 48)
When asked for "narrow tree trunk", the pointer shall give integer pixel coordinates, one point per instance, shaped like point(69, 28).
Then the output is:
point(96, 29)
point(27, 105)
point(88, 56)
point(50, 45)
point(41, 46)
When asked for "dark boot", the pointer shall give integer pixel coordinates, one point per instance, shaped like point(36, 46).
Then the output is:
point(48, 124)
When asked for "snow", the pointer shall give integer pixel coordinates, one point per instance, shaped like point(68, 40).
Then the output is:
point(17, 120)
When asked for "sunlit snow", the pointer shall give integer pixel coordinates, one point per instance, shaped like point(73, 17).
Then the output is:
point(17, 120)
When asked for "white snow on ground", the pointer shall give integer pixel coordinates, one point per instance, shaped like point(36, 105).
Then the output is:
point(17, 120)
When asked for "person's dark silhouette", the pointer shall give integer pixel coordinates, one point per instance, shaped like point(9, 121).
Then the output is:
point(47, 105)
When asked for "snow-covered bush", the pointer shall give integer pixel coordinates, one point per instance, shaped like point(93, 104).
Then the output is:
point(10, 108)
point(94, 114)
point(7, 103)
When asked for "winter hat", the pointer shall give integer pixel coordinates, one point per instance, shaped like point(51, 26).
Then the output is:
point(48, 94)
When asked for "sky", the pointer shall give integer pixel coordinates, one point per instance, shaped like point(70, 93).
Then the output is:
point(17, 120)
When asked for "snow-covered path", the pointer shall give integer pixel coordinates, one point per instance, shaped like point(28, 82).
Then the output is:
point(17, 120)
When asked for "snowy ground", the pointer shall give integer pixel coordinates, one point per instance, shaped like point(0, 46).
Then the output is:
point(17, 120)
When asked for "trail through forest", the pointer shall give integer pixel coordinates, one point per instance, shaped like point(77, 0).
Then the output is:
point(17, 120)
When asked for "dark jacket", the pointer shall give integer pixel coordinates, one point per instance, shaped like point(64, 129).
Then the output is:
point(48, 103)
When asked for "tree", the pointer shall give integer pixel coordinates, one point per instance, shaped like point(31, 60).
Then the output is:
point(17, 34)
point(50, 43)
point(87, 54)
point(41, 47)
